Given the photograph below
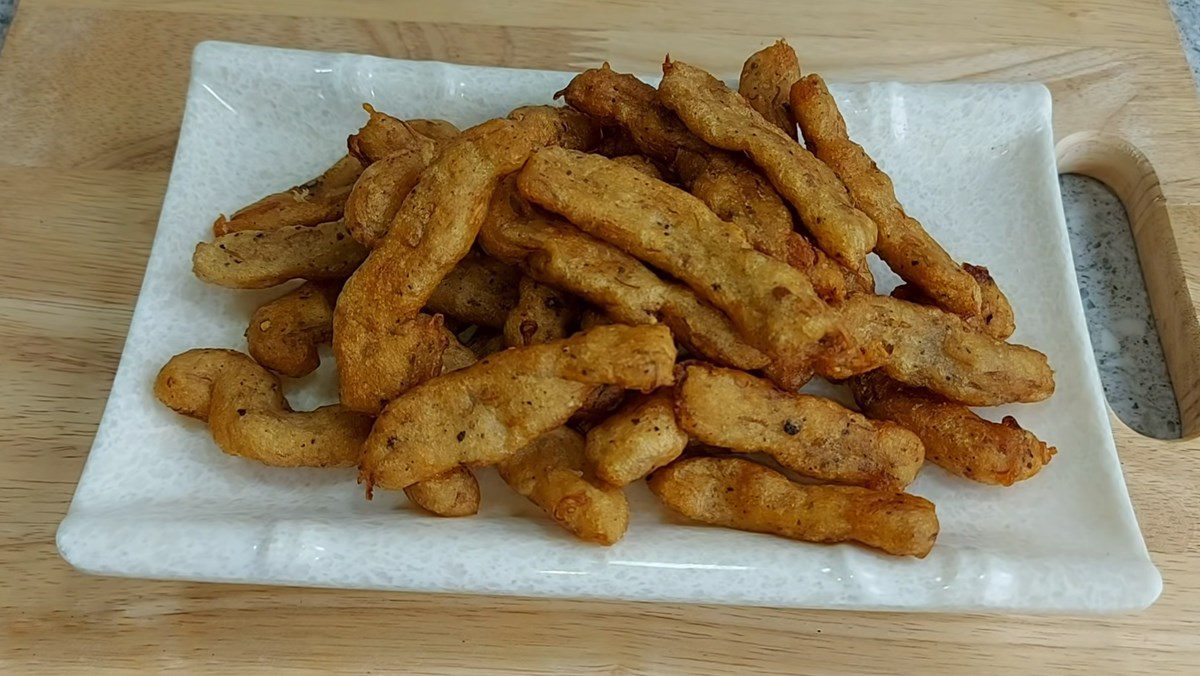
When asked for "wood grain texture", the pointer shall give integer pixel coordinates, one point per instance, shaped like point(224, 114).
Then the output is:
point(91, 95)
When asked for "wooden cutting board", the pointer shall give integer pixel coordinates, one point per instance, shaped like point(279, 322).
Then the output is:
point(91, 94)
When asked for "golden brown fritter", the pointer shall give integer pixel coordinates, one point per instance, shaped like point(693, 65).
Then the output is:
point(553, 473)
point(258, 259)
point(318, 201)
point(995, 316)
point(737, 193)
point(556, 253)
point(766, 81)
point(930, 348)
point(244, 407)
point(955, 438)
point(385, 135)
point(741, 494)
point(381, 350)
point(814, 436)
point(451, 493)
point(485, 413)
point(622, 99)
point(636, 440)
point(773, 305)
point(284, 333)
point(902, 243)
point(723, 118)
point(377, 195)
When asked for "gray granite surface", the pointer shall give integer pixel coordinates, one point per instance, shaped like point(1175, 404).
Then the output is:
point(1117, 308)
point(6, 15)
point(1122, 329)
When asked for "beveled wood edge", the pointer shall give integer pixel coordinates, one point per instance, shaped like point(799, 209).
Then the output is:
point(1157, 228)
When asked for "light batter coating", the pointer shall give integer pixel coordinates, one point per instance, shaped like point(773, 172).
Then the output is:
point(903, 242)
point(772, 304)
point(927, 347)
point(723, 118)
point(741, 494)
point(955, 438)
point(244, 407)
point(381, 351)
point(767, 78)
point(553, 473)
point(636, 440)
point(258, 259)
point(485, 413)
point(811, 435)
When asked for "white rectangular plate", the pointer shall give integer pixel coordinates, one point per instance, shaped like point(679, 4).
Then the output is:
point(974, 162)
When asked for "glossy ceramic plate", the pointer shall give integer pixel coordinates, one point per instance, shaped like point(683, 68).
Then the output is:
point(974, 162)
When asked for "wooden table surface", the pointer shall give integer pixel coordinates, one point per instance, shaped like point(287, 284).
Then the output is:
point(91, 94)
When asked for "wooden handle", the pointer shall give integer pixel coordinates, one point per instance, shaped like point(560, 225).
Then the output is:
point(1159, 229)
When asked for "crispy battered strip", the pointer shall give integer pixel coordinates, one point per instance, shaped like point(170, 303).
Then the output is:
point(257, 259)
point(955, 438)
point(542, 314)
point(553, 473)
point(385, 135)
point(636, 440)
point(727, 184)
point(767, 78)
point(725, 119)
point(737, 193)
point(556, 253)
point(379, 353)
point(995, 316)
point(624, 100)
point(903, 243)
point(317, 201)
point(244, 407)
point(479, 290)
point(485, 413)
point(811, 435)
point(741, 494)
point(284, 333)
point(377, 195)
point(772, 304)
point(451, 493)
point(456, 491)
point(927, 347)
point(457, 356)
point(641, 163)
point(397, 152)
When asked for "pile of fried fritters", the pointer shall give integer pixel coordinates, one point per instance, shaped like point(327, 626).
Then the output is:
point(633, 286)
